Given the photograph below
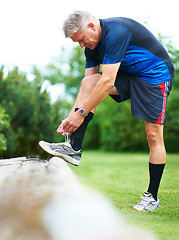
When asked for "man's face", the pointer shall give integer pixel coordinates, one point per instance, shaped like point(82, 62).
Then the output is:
point(87, 38)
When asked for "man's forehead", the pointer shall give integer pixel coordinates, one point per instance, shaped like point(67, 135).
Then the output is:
point(77, 36)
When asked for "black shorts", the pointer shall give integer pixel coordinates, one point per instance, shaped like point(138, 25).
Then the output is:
point(148, 101)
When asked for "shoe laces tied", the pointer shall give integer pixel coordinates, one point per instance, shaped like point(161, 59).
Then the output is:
point(145, 200)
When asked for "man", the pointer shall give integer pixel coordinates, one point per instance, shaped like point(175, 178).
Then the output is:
point(134, 65)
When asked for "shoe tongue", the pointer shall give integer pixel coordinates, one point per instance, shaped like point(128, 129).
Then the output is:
point(146, 194)
point(67, 143)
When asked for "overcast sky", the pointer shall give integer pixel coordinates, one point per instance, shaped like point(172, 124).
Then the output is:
point(31, 29)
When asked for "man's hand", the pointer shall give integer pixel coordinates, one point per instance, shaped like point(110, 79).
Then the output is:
point(70, 124)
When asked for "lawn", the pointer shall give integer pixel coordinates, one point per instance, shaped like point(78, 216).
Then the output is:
point(123, 178)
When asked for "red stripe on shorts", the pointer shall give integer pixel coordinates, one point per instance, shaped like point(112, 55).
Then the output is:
point(164, 93)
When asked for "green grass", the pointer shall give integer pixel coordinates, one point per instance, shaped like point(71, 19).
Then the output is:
point(123, 178)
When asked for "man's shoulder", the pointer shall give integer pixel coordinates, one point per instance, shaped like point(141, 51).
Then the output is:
point(120, 24)
point(116, 21)
point(116, 26)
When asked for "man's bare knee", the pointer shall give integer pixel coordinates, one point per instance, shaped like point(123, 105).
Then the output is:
point(89, 82)
point(154, 134)
point(152, 138)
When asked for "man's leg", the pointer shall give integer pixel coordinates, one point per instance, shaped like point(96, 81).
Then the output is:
point(86, 88)
point(155, 140)
point(87, 85)
point(157, 155)
point(157, 159)
point(71, 152)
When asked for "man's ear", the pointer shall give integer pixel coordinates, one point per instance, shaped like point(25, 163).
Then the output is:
point(92, 26)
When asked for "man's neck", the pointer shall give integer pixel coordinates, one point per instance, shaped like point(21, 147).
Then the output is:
point(98, 27)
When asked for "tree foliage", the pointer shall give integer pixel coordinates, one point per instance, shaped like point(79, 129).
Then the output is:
point(32, 117)
point(4, 124)
point(172, 117)
point(68, 70)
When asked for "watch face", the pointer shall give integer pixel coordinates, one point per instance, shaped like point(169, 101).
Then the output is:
point(82, 111)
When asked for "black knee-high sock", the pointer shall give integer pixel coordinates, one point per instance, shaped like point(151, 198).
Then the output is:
point(78, 135)
point(155, 172)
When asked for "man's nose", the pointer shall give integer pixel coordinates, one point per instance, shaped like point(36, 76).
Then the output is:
point(82, 44)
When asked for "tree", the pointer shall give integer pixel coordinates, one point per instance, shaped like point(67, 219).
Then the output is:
point(4, 121)
point(172, 118)
point(32, 116)
point(68, 69)
point(4, 124)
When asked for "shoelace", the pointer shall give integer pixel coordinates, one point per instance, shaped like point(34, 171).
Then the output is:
point(145, 200)
point(67, 140)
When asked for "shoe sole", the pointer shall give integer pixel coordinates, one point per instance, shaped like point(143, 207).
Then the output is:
point(64, 157)
point(145, 209)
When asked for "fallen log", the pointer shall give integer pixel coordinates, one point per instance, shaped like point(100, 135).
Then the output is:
point(44, 200)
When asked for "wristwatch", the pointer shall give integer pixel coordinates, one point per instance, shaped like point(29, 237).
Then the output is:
point(82, 112)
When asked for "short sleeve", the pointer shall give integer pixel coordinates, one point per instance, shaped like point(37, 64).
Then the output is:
point(91, 58)
point(116, 41)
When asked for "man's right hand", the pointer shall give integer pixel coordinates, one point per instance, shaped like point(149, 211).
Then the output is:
point(61, 131)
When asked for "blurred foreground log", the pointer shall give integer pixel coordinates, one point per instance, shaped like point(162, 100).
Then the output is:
point(43, 200)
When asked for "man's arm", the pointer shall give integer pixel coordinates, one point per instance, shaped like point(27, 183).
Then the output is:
point(88, 72)
point(103, 87)
point(99, 93)
point(93, 70)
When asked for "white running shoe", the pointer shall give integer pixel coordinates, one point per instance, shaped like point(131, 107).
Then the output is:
point(148, 203)
point(63, 150)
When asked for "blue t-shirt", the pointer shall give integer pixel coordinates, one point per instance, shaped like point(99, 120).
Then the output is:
point(140, 53)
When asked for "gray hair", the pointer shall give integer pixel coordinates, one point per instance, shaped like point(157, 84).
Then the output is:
point(77, 20)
